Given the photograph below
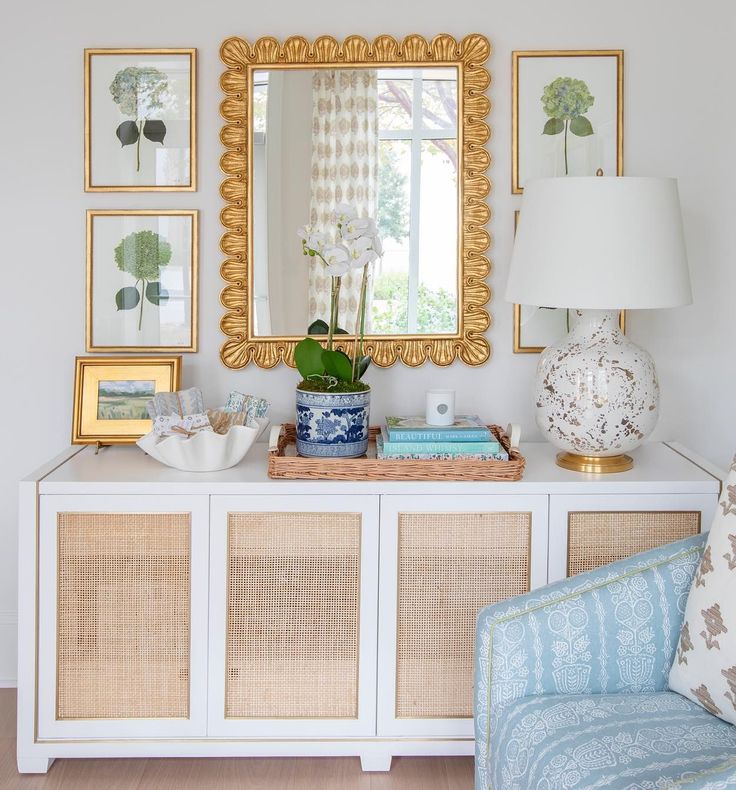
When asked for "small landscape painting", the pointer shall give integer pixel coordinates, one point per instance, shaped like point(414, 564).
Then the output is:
point(124, 400)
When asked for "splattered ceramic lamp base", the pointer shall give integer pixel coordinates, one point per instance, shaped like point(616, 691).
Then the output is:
point(597, 395)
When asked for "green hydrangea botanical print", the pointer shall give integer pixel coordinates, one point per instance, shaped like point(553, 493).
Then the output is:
point(140, 92)
point(142, 255)
point(565, 101)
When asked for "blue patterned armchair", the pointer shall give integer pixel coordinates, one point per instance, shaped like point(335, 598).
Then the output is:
point(571, 685)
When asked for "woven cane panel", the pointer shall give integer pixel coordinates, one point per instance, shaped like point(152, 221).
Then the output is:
point(597, 538)
point(123, 614)
point(293, 615)
point(450, 566)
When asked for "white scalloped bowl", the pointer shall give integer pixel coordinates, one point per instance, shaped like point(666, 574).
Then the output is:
point(206, 451)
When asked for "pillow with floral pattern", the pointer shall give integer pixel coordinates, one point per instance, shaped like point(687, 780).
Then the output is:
point(704, 667)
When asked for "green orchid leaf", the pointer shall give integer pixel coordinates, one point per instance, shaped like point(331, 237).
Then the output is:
point(581, 126)
point(155, 131)
point(553, 126)
point(127, 132)
point(338, 364)
point(318, 327)
point(127, 298)
point(156, 294)
point(308, 358)
point(363, 364)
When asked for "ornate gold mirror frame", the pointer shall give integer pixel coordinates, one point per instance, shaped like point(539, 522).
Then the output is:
point(468, 56)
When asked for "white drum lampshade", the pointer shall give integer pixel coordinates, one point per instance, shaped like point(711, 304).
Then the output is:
point(598, 245)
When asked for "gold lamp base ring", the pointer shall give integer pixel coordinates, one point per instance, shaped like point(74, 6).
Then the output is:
point(593, 464)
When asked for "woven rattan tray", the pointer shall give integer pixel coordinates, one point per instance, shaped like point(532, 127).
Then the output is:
point(285, 464)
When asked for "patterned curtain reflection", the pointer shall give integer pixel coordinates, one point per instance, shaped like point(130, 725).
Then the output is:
point(344, 170)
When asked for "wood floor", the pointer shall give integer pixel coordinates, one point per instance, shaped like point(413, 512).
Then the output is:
point(303, 773)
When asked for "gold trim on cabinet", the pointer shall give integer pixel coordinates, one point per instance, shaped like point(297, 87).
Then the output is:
point(468, 56)
point(194, 280)
point(192, 186)
point(516, 189)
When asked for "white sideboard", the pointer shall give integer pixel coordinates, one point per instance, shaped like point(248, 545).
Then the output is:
point(164, 613)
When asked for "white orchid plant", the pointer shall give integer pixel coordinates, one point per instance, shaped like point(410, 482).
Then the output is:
point(350, 245)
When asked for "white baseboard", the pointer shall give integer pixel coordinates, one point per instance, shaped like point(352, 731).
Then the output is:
point(8, 647)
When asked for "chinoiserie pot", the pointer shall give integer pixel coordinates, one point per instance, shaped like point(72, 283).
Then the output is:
point(332, 424)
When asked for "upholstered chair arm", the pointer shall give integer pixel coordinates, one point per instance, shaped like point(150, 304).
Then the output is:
point(614, 629)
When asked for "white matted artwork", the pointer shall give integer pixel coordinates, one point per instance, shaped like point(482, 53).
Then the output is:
point(142, 280)
point(567, 114)
point(140, 113)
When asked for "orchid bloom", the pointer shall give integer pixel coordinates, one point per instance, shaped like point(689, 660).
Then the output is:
point(312, 239)
point(362, 252)
point(336, 260)
point(357, 227)
point(343, 213)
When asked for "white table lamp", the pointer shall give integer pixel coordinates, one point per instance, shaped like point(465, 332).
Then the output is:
point(598, 245)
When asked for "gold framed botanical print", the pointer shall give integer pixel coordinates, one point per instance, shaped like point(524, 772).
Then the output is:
point(567, 114)
point(142, 280)
point(111, 394)
point(140, 110)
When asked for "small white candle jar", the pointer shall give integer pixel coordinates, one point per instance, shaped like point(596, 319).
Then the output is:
point(440, 407)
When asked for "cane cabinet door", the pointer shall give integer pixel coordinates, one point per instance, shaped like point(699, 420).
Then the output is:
point(122, 637)
point(587, 531)
point(443, 559)
point(294, 585)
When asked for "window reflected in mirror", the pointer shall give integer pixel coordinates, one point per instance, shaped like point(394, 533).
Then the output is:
point(382, 139)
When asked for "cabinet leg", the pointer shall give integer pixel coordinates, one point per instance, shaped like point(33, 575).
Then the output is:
point(34, 765)
point(375, 761)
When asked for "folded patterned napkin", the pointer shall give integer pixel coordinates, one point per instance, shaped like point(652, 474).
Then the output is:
point(252, 406)
point(174, 425)
point(180, 403)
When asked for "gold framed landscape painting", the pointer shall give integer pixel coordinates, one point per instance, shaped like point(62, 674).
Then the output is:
point(567, 114)
point(111, 395)
point(142, 280)
point(140, 120)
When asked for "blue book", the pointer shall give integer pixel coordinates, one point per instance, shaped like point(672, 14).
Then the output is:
point(415, 429)
point(391, 447)
point(424, 456)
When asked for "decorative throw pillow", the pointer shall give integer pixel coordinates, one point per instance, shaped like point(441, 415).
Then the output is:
point(704, 667)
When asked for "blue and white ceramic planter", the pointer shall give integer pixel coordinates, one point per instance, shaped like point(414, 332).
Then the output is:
point(332, 425)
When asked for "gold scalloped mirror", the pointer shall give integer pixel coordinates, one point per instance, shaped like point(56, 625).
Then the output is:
point(394, 128)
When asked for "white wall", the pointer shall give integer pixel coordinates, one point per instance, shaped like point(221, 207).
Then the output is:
point(680, 120)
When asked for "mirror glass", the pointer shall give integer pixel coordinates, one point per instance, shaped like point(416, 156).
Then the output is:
point(384, 140)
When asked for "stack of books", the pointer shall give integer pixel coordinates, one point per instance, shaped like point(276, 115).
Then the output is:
point(412, 438)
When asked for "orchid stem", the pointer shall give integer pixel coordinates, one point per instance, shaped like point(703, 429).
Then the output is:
point(360, 323)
